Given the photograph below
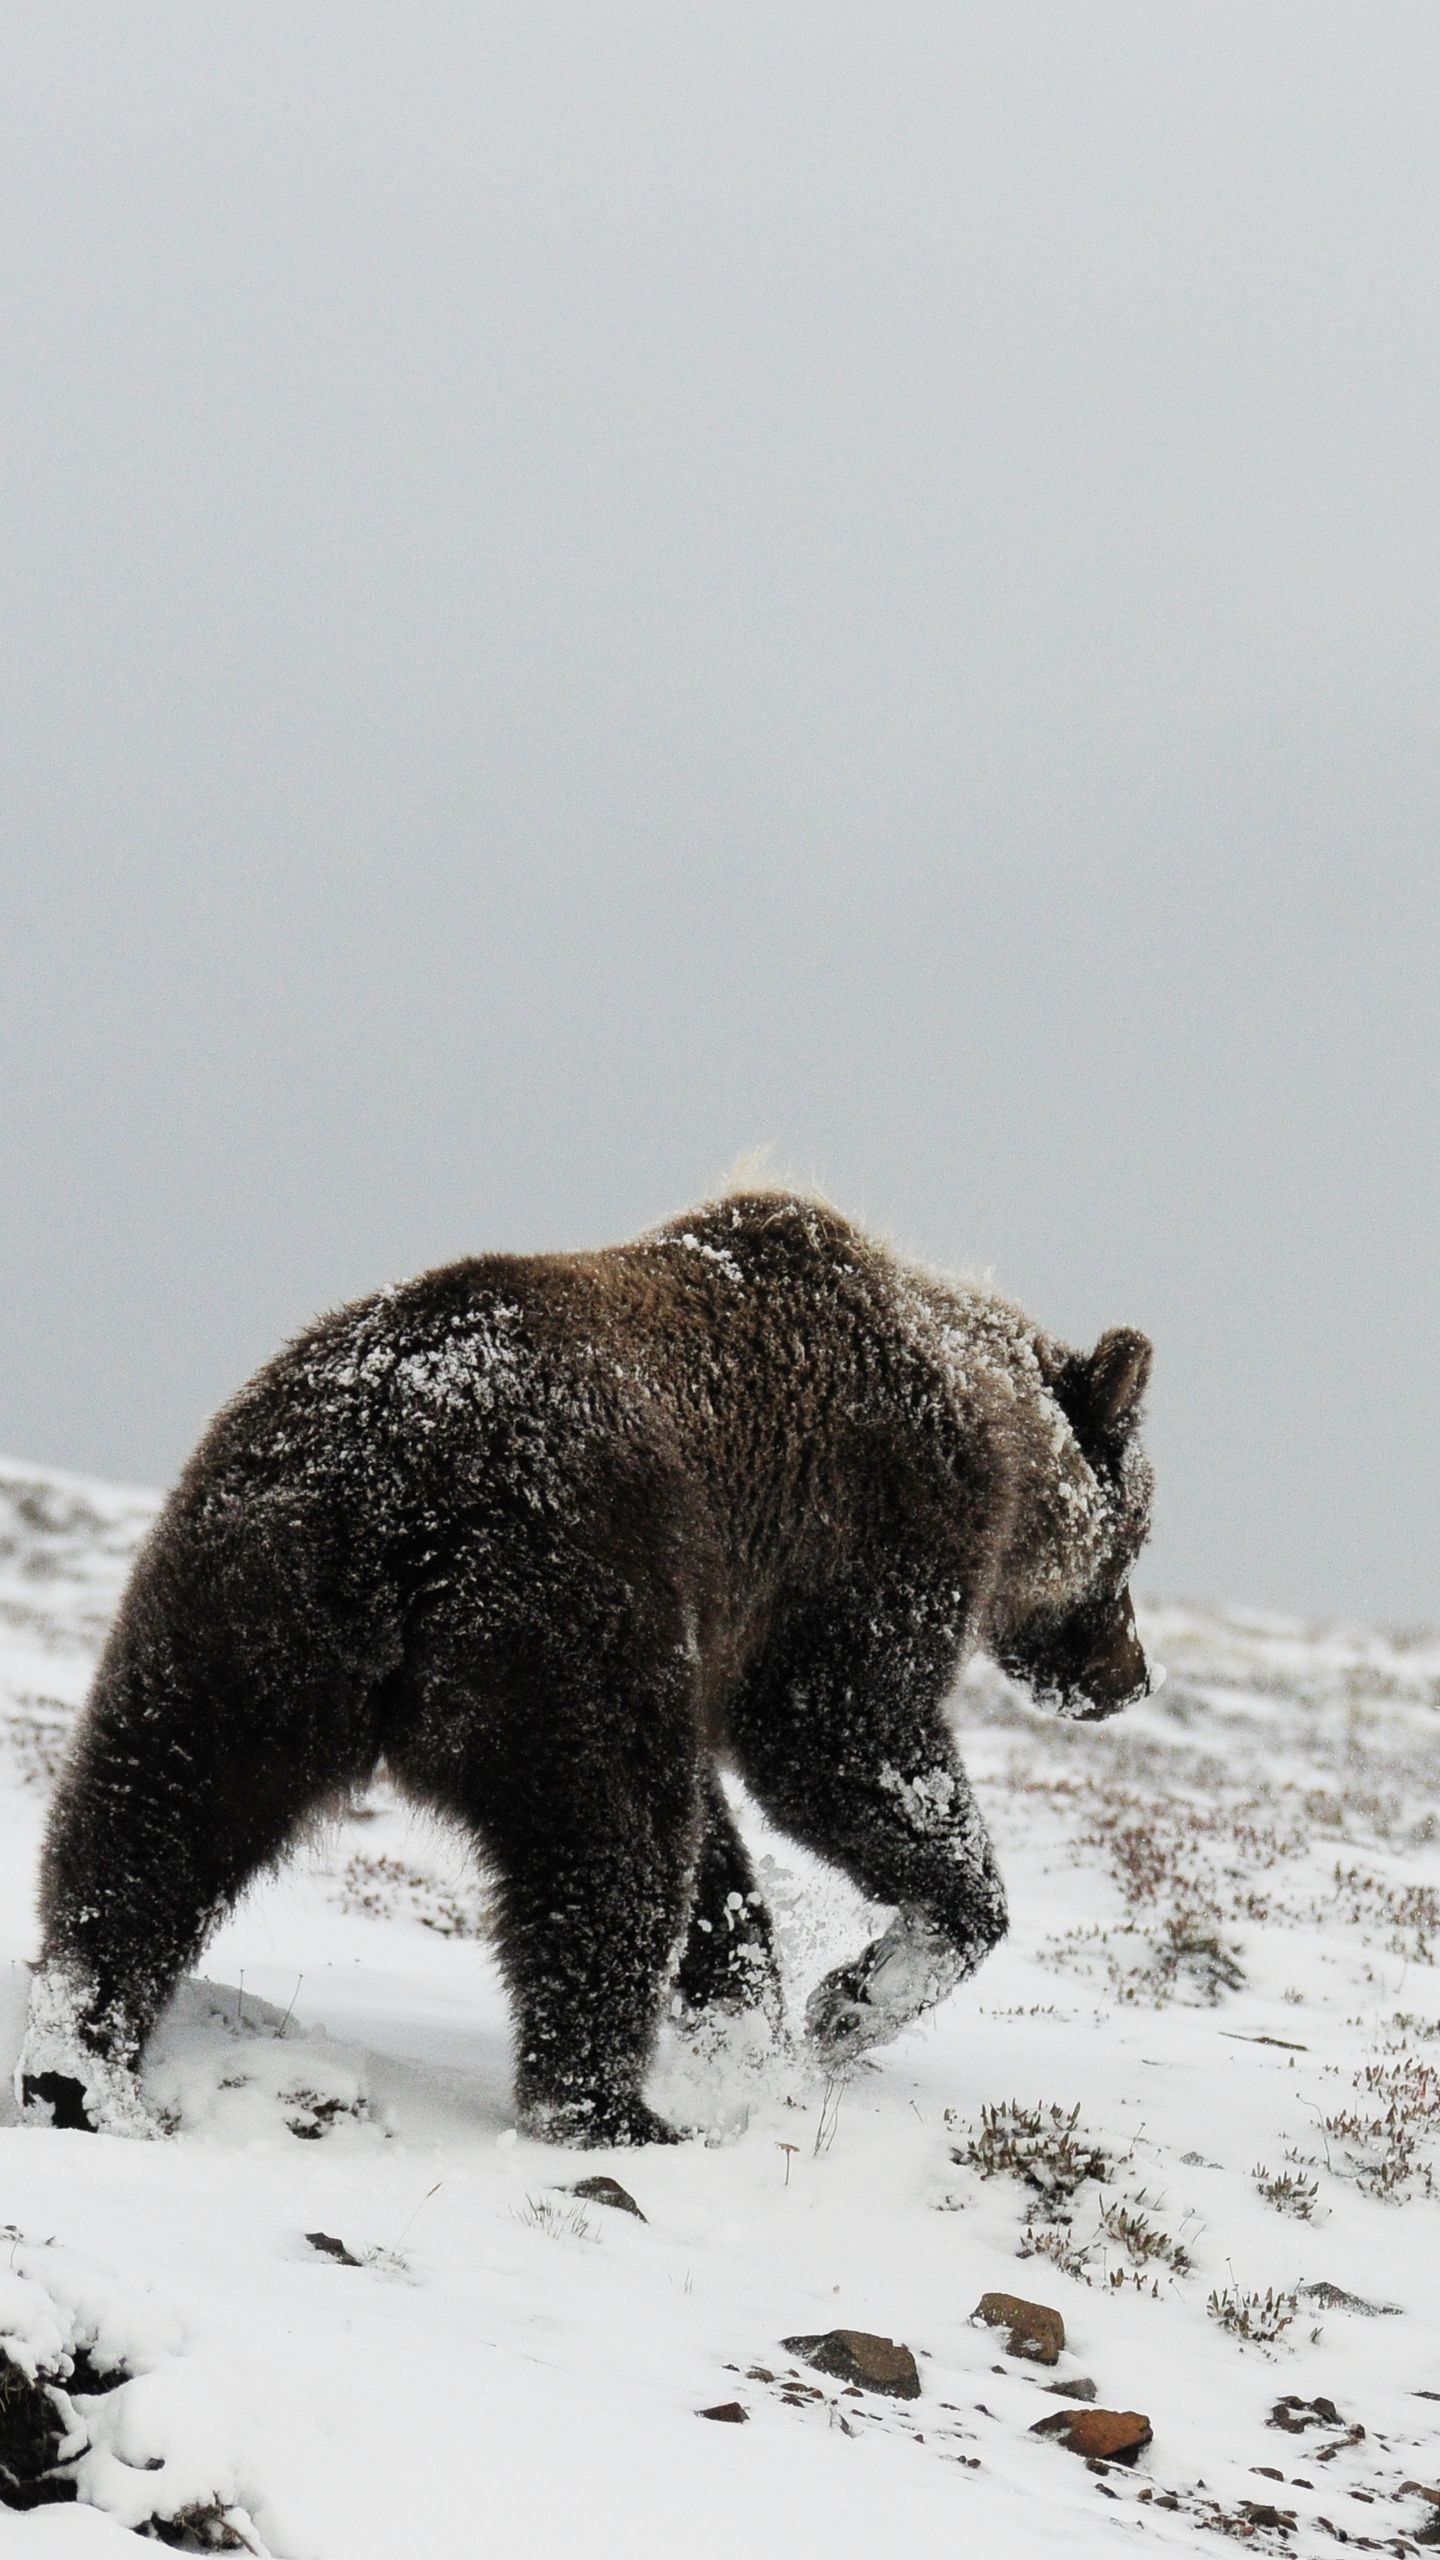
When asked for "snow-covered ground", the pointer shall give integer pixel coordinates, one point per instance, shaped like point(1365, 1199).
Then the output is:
point(1196, 2094)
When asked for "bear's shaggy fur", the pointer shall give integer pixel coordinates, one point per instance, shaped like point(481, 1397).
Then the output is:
point(557, 1538)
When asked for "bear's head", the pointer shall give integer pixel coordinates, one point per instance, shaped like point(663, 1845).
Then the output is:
point(1079, 1650)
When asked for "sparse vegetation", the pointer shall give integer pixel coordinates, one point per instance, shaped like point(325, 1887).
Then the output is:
point(1053, 2161)
point(1407, 1914)
point(1260, 2319)
point(1383, 2140)
point(1147, 2252)
point(1056, 2241)
point(1042, 2147)
point(1195, 1826)
point(1191, 1954)
point(1147, 2247)
point(385, 1888)
point(1287, 2191)
point(557, 2221)
point(38, 1730)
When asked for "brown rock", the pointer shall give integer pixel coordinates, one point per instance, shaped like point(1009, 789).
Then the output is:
point(607, 2191)
point(729, 2413)
point(855, 2355)
point(1036, 2332)
point(1294, 2415)
point(1098, 2435)
point(330, 2247)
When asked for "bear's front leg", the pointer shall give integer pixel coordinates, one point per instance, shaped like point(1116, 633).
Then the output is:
point(846, 1747)
point(899, 1976)
point(913, 1836)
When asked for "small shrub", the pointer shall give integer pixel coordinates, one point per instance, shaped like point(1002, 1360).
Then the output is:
point(1191, 1951)
point(557, 2221)
point(1147, 2248)
point(1383, 2140)
point(1287, 2192)
point(1056, 2241)
point(1409, 2022)
point(1042, 2147)
point(1260, 2319)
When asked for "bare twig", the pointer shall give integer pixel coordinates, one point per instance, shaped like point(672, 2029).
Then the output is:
point(419, 2209)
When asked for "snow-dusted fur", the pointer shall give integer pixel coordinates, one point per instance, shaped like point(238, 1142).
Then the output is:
point(555, 1537)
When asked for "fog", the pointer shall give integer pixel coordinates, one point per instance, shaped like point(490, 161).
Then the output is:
point(592, 586)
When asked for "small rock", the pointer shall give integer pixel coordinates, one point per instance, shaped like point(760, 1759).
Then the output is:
point(330, 2247)
point(728, 2412)
point(1036, 2332)
point(1333, 2297)
point(1293, 2415)
point(1082, 2388)
point(1098, 2435)
point(856, 2355)
point(609, 2191)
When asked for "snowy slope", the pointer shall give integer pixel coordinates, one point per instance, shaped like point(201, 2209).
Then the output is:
point(1226, 1924)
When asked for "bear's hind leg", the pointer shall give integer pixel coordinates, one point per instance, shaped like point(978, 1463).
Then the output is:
point(171, 1802)
point(587, 1962)
point(580, 1789)
point(729, 1959)
point(589, 1919)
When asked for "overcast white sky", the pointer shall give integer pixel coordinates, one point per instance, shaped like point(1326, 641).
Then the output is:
point(589, 585)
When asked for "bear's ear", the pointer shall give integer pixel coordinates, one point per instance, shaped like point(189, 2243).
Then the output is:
point(1115, 1378)
point(1099, 1390)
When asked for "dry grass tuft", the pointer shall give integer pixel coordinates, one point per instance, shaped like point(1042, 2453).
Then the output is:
point(1259, 2319)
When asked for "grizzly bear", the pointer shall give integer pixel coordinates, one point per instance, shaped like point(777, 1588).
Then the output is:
point(558, 1538)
